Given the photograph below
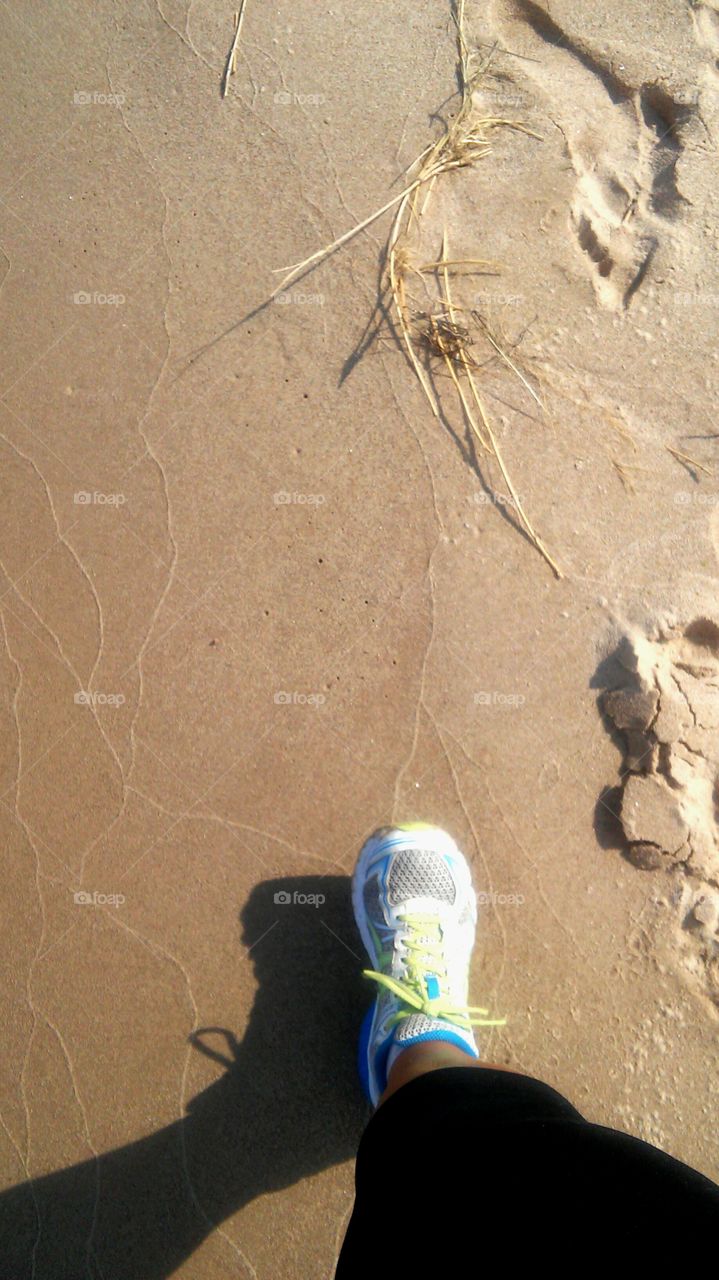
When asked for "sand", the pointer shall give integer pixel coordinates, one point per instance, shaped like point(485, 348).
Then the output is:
point(256, 600)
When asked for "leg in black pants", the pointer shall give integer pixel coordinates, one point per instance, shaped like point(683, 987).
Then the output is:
point(460, 1167)
point(465, 1165)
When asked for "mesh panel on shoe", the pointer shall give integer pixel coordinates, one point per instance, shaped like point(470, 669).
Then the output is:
point(418, 1024)
point(419, 873)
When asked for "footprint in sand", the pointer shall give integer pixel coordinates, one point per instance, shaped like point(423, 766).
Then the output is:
point(623, 139)
point(706, 30)
point(666, 710)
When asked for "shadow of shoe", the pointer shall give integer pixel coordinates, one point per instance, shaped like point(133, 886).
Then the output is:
point(287, 1106)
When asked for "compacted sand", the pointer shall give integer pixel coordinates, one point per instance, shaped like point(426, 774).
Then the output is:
point(256, 599)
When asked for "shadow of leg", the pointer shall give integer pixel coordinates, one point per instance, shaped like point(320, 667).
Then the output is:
point(287, 1106)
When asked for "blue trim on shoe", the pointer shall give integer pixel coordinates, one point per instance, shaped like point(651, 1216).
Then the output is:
point(375, 1070)
point(380, 1066)
point(363, 1051)
point(440, 1037)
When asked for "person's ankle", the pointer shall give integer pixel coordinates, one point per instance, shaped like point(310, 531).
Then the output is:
point(418, 1059)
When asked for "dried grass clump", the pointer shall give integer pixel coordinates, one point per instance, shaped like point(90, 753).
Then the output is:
point(441, 332)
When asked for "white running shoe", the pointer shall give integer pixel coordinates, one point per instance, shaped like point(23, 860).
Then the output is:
point(416, 912)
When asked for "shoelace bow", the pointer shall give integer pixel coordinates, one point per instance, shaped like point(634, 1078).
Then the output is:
point(423, 947)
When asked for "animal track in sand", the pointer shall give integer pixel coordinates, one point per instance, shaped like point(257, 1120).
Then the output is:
point(706, 29)
point(623, 140)
point(667, 711)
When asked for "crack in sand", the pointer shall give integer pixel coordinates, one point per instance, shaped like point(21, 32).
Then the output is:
point(62, 539)
point(8, 268)
point(64, 660)
point(429, 575)
point(185, 39)
point(159, 952)
point(41, 904)
point(35, 1014)
point(57, 648)
point(485, 864)
point(231, 825)
point(88, 1138)
point(148, 449)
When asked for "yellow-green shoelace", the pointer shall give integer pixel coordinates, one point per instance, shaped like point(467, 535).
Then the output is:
point(423, 942)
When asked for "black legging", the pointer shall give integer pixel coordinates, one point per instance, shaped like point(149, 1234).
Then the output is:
point(461, 1168)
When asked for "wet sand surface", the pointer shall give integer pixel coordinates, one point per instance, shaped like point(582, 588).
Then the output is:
point(256, 600)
